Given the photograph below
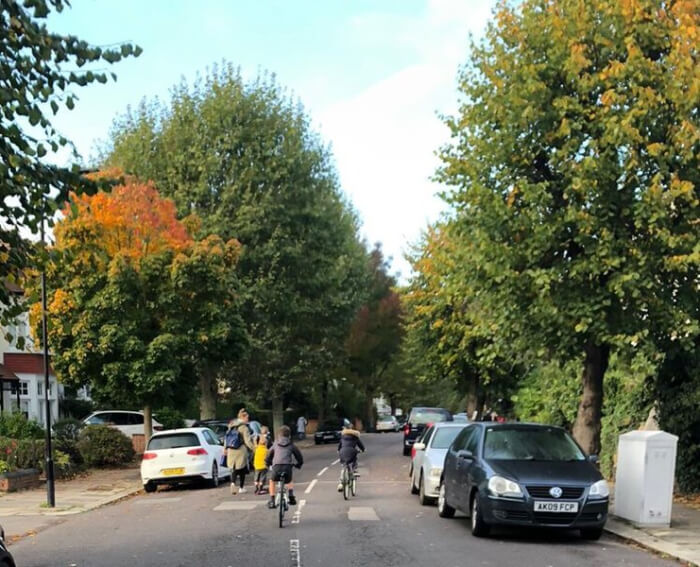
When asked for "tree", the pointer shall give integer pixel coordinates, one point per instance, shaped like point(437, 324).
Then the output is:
point(244, 158)
point(139, 311)
point(574, 174)
point(38, 70)
point(375, 335)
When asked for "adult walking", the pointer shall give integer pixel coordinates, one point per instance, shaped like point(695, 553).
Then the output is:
point(301, 427)
point(239, 447)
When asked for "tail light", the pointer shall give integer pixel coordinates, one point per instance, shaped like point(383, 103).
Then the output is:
point(428, 425)
point(413, 452)
point(149, 456)
point(406, 429)
point(199, 451)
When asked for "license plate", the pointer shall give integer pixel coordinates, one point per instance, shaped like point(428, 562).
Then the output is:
point(329, 436)
point(173, 472)
point(564, 507)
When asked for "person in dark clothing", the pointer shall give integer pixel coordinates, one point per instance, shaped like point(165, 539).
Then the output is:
point(349, 446)
point(280, 459)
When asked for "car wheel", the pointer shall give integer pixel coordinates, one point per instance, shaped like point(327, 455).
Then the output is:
point(150, 486)
point(422, 498)
point(406, 451)
point(592, 534)
point(479, 527)
point(214, 482)
point(444, 509)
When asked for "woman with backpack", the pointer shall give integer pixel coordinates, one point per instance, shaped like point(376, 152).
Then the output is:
point(239, 445)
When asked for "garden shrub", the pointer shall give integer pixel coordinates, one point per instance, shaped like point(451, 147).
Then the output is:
point(102, 446)
point(16, 426)
point(66, 433)
point(22, 453)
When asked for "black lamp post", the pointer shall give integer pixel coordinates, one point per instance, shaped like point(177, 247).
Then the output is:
point(50, 484)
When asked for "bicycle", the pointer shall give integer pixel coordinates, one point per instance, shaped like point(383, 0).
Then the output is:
point(281, 498)
point(348, 479)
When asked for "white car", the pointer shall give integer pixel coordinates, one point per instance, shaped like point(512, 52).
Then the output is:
point(387, 423)
point(182, 455)
point(128, 422)
point(426, 466)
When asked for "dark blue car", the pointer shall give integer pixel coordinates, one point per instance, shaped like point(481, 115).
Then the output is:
point(514, 474)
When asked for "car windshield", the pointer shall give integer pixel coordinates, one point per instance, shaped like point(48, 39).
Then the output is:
point(530, 444)
point(173, 441)
point(429, 416)
point(444, 436)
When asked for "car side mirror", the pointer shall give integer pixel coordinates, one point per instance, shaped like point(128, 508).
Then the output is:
point(594, 459)
point(419, 446)
point(466, 455)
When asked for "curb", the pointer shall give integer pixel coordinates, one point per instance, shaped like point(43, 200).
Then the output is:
point(629, 533)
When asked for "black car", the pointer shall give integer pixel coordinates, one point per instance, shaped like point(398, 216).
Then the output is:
point(218, 426)
point(6, 559)
point(515, 474)
point(418, 419)
point(328, 432)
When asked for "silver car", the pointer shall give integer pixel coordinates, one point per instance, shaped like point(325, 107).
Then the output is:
point(428, 459)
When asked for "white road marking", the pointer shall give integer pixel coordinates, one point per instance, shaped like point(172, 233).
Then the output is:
point(362, 514)
point(335, 462)
point(324, 469)
point(296, 518)
point(295, 552)
point(236, 506)
point(158, 500)
point(310, 487)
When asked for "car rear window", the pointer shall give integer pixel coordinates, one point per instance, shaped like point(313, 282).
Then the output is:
point(429, 416)
point(444, 436)
point(173, 441)
point(531, 445)
point(386, 418)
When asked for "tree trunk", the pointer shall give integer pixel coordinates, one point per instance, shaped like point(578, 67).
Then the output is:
point(277, 414)
point(369, 410)
point(147, 423)
point(208, 391)
point(587, 425)
point(472, 395)
point(324, 402)
point(392, 404)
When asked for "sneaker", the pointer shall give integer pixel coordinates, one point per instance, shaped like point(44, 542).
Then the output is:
point(340, 487)
point(242, 490)
point(292, 500)
point(233, 489)
point(271, 504)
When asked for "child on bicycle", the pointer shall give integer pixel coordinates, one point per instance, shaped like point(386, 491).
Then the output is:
point(280, 458)
point(349, 446)
point(259, 464)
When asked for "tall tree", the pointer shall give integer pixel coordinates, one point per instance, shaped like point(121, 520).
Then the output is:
point(574, 167)
point(140, 311)
point(38, 71)
point(244, 158)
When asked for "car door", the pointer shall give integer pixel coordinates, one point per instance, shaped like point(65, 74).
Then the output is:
point(453, 464)
point(472, 471)
point(215, 448)
point(419, 459)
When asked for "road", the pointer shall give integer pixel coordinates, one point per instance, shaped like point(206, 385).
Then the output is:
point(383, 526)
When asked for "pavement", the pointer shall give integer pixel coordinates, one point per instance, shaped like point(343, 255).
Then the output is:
point(384, 525)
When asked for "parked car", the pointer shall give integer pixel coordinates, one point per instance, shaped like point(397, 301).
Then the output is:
point(515, 474)
point(461, 417)
point(428, 458)
point(417, 421)
point(329, 431)
point(6, 559)
point(218, 426)
point(183, 455)
point(387, 423)
point(128, 422)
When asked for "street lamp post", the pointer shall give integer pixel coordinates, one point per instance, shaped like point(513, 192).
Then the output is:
point(50, 484)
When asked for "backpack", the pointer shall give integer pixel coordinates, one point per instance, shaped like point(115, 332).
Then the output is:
point(233, 439)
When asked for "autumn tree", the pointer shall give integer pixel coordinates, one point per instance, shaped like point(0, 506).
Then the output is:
point(139, 310)
point(243, 157)
point(38, 72)
point(574, 177)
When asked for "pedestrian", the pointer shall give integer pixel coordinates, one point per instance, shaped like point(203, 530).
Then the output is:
point(260, 465)
point(239, 445)
point(349, 446)
point(265, 434)
point(301, 427)
point(280, 459)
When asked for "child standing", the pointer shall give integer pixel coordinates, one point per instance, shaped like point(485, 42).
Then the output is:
point(259, 464)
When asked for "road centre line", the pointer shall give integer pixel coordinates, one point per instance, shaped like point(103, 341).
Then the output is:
point(295, 552)
point(310, 487)
point(324, 469)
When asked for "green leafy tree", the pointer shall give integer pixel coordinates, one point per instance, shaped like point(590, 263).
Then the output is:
point(38, 72)
point(243, 157)
point(574, 174)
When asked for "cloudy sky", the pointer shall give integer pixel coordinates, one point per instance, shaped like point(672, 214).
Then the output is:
point(373, 75)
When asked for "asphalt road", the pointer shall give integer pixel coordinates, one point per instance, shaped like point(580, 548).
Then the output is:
point(383, 525)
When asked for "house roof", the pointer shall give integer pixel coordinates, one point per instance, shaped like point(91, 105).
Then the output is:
point(25, 363)
point(6, 374)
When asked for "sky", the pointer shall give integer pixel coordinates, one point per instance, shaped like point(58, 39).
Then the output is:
point(373, 75)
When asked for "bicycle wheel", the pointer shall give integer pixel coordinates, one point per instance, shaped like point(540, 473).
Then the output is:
point(353, 485)
point(346, 483)
point(281, 506)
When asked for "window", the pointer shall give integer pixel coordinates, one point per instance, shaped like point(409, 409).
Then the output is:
point(473, 443)
point(423, 438)
point(134, 418)
point(173, 441)
point(429, 416)
point(531, 444)
point(23, 386)
point(40, 388)
point(210, 437)
point(444, 436)
point(462, 439)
